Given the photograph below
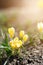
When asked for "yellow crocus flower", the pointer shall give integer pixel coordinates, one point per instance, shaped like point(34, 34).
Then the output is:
point(19, 43)
point(12, 44)
point(21, 34)
point(25, 37)
point(11, 32)
point(40, 26)
point(16, 39)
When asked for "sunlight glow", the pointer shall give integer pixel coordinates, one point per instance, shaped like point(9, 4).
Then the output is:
point(40, 4)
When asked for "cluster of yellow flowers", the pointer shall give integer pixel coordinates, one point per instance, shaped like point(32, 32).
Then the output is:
point(40, 26)
point(16, 42)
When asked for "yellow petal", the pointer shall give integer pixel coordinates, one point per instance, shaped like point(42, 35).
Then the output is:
point(12, 44)
point(40, 26)
point(21, 34)
point(11, 32)
point(19, 43)
point(25, 37)
point(16, 39)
